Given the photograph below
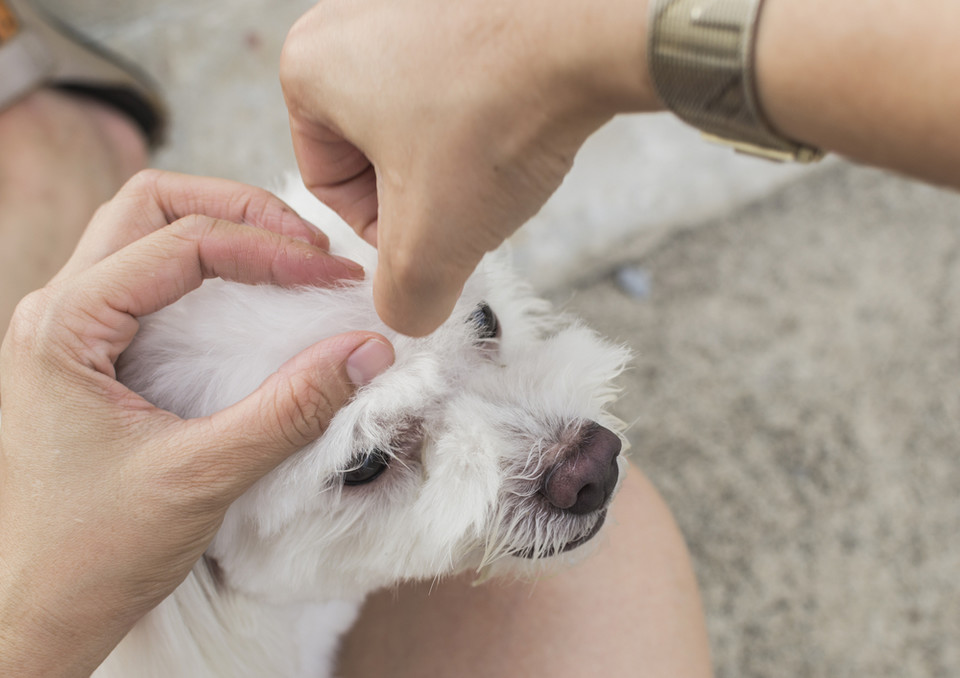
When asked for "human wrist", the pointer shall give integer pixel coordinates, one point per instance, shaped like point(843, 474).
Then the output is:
point(37, 639)
point(609, 47)
point(703, 65)
point(781, 64)
point(23, 634)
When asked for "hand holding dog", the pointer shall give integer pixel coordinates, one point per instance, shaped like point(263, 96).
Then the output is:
point(436, 129)
point(105, 501)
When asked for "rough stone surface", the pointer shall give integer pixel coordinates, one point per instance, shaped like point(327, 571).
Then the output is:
point(795, 397)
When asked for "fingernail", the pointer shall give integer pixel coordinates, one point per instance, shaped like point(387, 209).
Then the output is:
point(307, 239)
point(355, 268)
point(371, 359)
point(302, 230)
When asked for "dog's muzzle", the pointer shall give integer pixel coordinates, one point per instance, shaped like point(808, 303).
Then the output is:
point(580, 483)
point(585, 475)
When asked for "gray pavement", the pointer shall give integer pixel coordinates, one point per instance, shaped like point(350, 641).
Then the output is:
point(794, 395)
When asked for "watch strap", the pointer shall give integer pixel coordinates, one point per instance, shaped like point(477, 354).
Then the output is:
point(701, 59)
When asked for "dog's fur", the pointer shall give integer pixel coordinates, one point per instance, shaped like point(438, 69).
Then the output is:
point(470, 426)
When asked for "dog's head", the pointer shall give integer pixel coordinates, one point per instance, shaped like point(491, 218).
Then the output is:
point(486, 445)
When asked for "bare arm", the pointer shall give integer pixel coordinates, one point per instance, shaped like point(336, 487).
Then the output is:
point(875, 82)
point(457, 126)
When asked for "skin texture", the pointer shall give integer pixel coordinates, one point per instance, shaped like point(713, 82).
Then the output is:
point(83, 572)
point(443, 140)
point(455, 129)
point(630, 609)
point(62, 158)
point(106, 501)
point(435, 129)
point(872, 85)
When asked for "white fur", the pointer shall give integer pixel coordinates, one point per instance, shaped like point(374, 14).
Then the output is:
point(471, 428)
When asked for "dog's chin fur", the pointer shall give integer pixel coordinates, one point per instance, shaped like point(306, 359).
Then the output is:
point(468, 425)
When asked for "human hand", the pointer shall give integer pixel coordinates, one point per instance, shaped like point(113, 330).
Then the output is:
point(436, 128)
point(106, 502)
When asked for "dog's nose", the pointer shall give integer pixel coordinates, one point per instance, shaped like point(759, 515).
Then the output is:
point(584, 478)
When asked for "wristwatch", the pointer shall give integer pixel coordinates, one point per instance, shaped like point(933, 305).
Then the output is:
point(701, 60)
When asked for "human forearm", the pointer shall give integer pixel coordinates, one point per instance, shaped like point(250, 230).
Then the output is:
point(874, 82)
point(442, 141)
point(35, 642)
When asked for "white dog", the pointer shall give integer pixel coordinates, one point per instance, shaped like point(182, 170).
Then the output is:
point(486, 447)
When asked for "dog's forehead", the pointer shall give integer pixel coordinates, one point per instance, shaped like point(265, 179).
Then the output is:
point(535, 388)
point(539, 375)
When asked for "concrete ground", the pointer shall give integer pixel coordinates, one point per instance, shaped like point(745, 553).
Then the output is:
point(795, 397)
point(794, 394)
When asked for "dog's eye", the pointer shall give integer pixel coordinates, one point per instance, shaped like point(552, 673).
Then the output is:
point(485, 320)
point(367, 468)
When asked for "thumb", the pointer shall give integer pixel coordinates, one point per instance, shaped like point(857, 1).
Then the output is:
point(294, 406)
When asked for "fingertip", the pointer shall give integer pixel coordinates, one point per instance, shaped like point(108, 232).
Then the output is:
point(357, 357)
point(413, 311)
point(294, 406)
point(293, 226)
point(351, 269)
point(368, 361)
point(308, 233)
point(316, 267)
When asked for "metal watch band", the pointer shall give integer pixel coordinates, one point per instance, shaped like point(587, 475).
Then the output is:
point(701, 60)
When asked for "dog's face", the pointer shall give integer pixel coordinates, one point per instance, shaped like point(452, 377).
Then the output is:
point(486, 445)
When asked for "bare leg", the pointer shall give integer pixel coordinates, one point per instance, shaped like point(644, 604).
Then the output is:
point(62, 157)
point(632, 609)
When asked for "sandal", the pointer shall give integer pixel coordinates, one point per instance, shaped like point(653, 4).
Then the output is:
point(37, 50)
